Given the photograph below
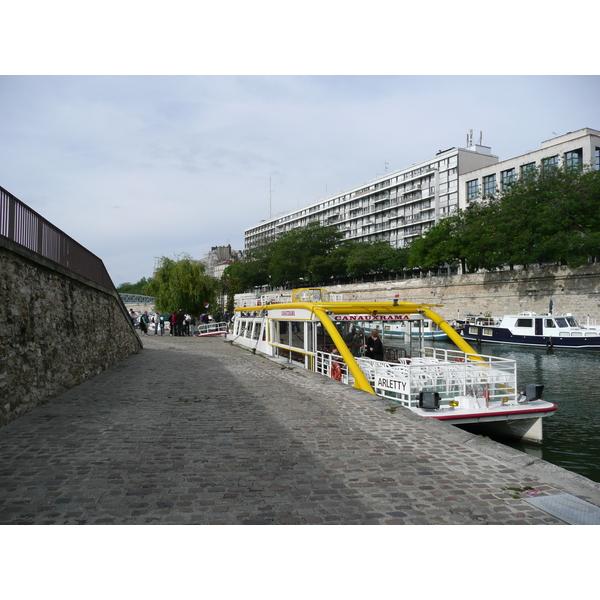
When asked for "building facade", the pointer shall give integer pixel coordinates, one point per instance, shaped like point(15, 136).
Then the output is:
point(401, 206)
point(572, 150)
point(219, 258)
point(396, 207)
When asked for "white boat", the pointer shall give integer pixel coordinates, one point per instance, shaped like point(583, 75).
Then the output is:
point(401, 330)
point(454, 385)
point(530, 329)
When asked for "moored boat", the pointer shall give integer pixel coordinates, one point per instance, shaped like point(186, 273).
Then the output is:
point(400, 330)
point(457, 385)
point(530, 329)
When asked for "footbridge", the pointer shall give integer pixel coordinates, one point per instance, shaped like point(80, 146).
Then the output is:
point(137, 299)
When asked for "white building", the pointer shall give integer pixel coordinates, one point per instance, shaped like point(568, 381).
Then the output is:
point(396, 207)
point(574, 149)
point(219, 258)
point(401, 206)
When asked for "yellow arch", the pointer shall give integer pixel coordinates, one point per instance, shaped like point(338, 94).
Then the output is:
point(321, 310)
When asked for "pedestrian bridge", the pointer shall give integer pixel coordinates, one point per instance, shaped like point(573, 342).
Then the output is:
point(136, 299)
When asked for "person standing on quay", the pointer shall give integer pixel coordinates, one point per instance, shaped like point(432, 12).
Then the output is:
point(144, 323)
point(179, 318)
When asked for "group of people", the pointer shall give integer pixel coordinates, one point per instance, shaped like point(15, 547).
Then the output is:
point(355, 340)
point(180, 323)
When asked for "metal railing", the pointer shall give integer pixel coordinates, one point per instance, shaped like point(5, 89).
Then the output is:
point(24, 226)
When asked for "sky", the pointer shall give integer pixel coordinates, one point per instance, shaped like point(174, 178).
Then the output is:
point(145, 129)
point(142, 157)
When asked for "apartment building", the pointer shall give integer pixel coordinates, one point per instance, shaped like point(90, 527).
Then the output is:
point(573, 149)
point(401, 206)
point(396, 207)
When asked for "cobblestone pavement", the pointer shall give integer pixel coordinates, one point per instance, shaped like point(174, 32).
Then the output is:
point(197, 431)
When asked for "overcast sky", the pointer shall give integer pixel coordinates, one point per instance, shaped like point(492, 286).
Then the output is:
point(135, 167)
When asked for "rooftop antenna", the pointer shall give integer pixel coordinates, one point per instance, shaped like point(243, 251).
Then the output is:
point(270, 199)
point(385, 164)
point(480, 137)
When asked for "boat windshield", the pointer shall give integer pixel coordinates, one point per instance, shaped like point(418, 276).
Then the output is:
point(561, 322)
point(572, 321)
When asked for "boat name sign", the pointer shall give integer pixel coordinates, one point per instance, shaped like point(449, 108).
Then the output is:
point(391, 385)
point(295, 313)
point(378, 318)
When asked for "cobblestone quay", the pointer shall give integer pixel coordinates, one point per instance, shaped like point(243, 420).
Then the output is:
point(197, 431)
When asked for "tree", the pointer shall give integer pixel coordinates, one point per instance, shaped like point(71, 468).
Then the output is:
point(294, 251)
point(250, 272)
point(133, 288)
point(182, 284)
point(369, 259)
point(330, 268)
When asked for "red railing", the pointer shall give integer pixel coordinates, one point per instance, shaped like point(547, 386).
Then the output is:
point(22, 225)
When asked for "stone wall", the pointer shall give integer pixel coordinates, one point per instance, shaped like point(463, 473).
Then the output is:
point(572, 290)
point(56, 330)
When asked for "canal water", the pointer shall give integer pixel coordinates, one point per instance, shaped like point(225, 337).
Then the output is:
point(572, 381)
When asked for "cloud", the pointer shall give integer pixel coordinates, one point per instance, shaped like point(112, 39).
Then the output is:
point(137, 167)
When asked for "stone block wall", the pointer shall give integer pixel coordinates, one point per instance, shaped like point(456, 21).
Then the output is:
point(575, 291)
point(56, 331)
point(508, 292)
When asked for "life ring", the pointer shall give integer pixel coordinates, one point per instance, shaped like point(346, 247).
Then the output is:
point(459, 360)
point(336, 371)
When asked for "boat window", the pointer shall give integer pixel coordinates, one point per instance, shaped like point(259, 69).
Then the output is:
point(576, 334)
point(282, 333)
point(550, 323)
point(561, 322)
point(297, 328)
point(489, 332)
point(524, 323)
point(572, 322)
point(591, 334)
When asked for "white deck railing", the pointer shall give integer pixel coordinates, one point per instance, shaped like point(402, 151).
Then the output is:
point(205, 328)
point(451, 373)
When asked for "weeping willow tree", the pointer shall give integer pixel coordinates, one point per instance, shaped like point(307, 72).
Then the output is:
point(182, 283)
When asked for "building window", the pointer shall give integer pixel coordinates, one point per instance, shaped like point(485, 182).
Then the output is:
point(528, 170)
point(574, 159)
point(597, 161)
point(489, 185)
point(472, 189)
point(508, 178)
point(550, 163)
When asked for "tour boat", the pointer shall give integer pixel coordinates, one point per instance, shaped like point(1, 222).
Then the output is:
point(456, 385)
point(400, 330)
point(531, 329)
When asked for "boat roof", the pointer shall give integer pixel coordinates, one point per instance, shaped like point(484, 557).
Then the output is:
point(318, 297)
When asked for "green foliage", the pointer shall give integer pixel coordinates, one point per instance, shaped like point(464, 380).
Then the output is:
point(550, 216)
point(294, 251)
point(133, 288)
point(182, 283)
